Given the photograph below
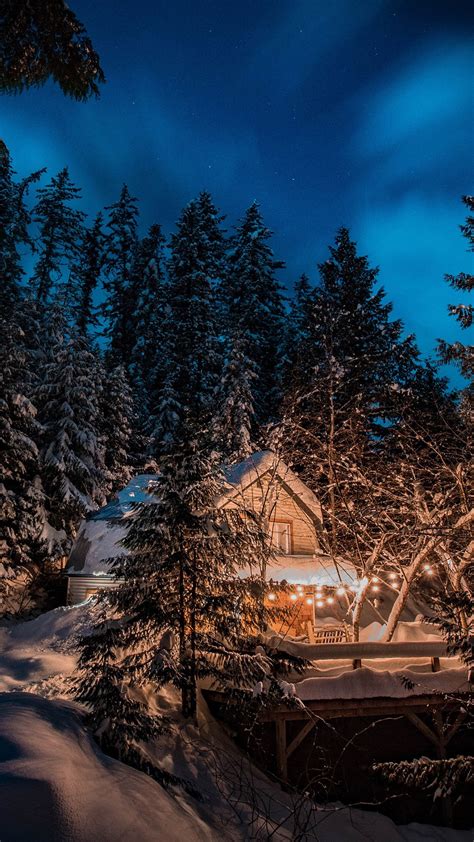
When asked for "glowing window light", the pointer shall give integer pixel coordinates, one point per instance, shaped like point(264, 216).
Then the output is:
point(330, 600)
point(272, 597)
point(309, 601)
point(293, 597)
point(375, 579)
point(340, 591)
point(319, 604)
point(393, 575)
point(375, 588)
point(299, 588)
point(427, 567)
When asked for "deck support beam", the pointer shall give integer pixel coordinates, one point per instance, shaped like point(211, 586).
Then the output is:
point(280, 742)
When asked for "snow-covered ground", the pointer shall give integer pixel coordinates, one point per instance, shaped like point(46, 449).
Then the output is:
point(57, 785)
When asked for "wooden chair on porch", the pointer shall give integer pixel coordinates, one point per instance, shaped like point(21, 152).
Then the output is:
point(328, 634)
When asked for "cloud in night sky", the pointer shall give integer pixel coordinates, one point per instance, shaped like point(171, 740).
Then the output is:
point(329, 114)
point(409, 219)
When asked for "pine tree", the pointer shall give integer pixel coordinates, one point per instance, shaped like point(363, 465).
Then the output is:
point(297, 334)
point(116, 426)
point(463, 355)
point(20, 491)
point(235, 401)
point(60, 234)
point(68, 410)
point(119, 307)
point(14, 233)
point(42, 39)
point(147, 356)
point(193, 349)
point(348, 360)
point(85, 277)
point(180, 613)
point(252, 303)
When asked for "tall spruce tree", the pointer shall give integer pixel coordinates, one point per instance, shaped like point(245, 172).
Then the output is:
point(349, 360)
point(20, 491)
point(14, 231)
point(234, 418)
point(116, 407)
point(67, 398)
point(180, 613)
point(252, 303)
point(297, 332)
point(119, 306)
point(462, 354)
point(86, 274)
point(60, 234)
point(194, 358)
point(147, 355)
point(44, 39)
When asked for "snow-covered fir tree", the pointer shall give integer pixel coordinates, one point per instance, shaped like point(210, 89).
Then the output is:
point(20, 489)
point(60, 232)
point(115, 422)
point(14, 230)
point(67, 397)
point(458, 352)
point(58, 41)
point(148, 352)
point(252, 303)
point(297, 332)
point(180, 613)
point(85, 278)
point(348, 359)
point(193, 348)
point(235, 401)
point(119, 306)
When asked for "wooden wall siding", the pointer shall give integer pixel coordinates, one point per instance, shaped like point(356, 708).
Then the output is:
point(269, 496)
point(79, 587)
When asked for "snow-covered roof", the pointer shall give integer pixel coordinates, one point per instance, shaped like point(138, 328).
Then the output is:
point(317, 569)
point(99, 535)
point(266, 462)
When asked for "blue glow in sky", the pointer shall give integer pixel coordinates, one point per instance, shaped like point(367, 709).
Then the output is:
point(329, 113)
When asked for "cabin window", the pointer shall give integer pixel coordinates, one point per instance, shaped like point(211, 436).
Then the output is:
point(281, 536)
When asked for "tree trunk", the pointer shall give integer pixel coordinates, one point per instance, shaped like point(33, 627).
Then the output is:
point(409, 575)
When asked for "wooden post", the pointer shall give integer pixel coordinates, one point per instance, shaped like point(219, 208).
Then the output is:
point(280, 743)
point(435, 665)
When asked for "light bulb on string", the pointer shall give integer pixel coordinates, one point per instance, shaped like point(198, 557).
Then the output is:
point(341, 591)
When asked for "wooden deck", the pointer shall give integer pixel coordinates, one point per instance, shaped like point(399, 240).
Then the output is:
point(311, 712)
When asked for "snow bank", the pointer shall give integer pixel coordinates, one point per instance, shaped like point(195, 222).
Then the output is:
point(405, 632)
point(40, 654)
point(368, 683)
point(56, 784)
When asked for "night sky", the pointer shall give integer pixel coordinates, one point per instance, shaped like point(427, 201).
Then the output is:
point(342, 112)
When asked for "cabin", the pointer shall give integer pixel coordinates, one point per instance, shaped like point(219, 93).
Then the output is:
point(262, 483)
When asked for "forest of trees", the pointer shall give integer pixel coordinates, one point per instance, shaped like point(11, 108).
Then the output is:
point(119, 347)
